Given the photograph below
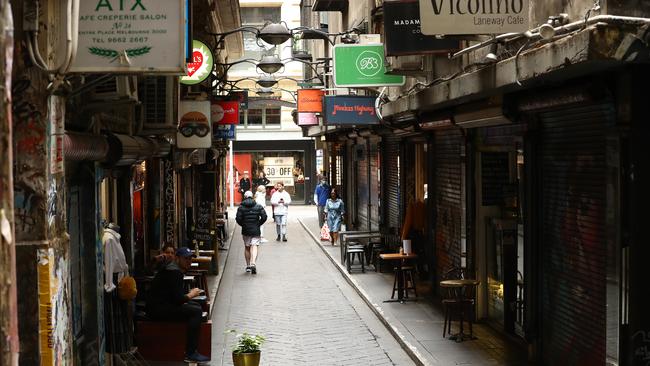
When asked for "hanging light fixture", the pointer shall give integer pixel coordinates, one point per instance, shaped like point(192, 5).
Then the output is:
point(266, 81)
point(270, 64)
point(264, 92)
point(275, 33)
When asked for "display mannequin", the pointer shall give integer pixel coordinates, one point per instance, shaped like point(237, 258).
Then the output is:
point(117, 320)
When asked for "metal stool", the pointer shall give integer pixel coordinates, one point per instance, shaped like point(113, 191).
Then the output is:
point(350, 253)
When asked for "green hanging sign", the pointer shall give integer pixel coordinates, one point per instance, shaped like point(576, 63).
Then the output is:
point(362, 65)
point(201, 66)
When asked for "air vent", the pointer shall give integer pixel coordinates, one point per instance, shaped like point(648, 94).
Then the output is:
point(159, 97)
point(115, 88)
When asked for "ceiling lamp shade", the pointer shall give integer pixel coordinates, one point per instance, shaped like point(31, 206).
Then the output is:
point(265, 92)
point(266, 81)
point(275, 33)
point(270, 64)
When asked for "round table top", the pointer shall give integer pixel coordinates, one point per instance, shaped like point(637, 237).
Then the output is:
point(459, 283)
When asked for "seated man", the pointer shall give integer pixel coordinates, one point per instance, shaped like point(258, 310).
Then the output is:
point(168, 301)
point(166, 256)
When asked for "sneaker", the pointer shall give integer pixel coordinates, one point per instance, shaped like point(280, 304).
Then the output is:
point(196, 357)
point(278, 238)
point(284, 238)
point(248, 268)
point(253, 269)
point(263, 240)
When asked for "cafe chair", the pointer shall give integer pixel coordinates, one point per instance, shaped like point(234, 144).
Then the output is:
point(409, 282)
point(458, 302)
point(355, 250)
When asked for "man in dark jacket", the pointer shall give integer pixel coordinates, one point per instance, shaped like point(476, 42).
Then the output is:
point(168, 301)
point(250, 216)
point(244, 185)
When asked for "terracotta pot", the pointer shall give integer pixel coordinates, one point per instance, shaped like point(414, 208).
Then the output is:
point(246, 359)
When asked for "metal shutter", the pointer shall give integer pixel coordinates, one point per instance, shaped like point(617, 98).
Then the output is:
point(391, 183)
point(448, 175)
point(573, 242)
point(373, 158)
point(362, 162)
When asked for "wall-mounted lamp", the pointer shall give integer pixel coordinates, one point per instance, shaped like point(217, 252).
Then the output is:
point(270, 64)
point(266, 81)
point(274, 33)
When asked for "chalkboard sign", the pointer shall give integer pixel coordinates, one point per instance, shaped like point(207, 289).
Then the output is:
point(203, 229)
point(495, 175)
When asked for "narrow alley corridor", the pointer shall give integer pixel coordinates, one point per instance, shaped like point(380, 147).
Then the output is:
point(300, 303)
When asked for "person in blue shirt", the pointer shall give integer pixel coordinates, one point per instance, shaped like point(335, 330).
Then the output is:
point(321, 194)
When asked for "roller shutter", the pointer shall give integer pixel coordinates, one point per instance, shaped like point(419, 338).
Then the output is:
point(391, 183)
point(573, 159)
point(373, 159)
point(448, 175)
point(362, 162)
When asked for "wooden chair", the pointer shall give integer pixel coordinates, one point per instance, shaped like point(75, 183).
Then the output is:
point(457, 301)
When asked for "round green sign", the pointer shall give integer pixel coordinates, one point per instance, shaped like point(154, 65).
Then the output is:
point(369, 63)
point(201, 66)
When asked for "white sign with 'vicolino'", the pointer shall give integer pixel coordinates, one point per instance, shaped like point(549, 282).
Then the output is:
point(473, 16)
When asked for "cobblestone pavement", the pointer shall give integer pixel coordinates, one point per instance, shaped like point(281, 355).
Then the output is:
point(301, 304)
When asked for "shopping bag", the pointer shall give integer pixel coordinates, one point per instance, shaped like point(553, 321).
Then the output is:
point(325, 232)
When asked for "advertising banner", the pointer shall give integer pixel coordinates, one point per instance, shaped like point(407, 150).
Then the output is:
point(310, 100)
point(350, 110)
point(131, 36)
point(307, 119)
point(194, 128)
point(473, 16)
point(403, 35)
point(224, 112)
point(279, 169)
point(200, 66)
point(362, 65)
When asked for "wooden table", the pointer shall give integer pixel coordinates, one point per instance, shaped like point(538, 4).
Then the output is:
point(356, 235)
point(399, 274)
point(460, 284)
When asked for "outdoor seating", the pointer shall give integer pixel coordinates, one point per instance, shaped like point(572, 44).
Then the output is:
point(409, 281)
point(458, 300)
point(351, 252)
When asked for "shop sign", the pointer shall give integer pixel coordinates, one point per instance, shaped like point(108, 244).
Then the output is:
point(350, 110)
point(224, 112)
point(279, 169)
point(310, 100)
point(403, 35)
point(131, 36)
point(224, 132)
point(473, 16)
point(362, 65)
point(194, 127)
point(307, 119)
point(200, 65)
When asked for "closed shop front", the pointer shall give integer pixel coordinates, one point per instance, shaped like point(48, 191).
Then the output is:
point(573, 239)
point(391, 184)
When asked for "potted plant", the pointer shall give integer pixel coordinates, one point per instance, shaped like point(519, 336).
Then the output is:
point(247, 350)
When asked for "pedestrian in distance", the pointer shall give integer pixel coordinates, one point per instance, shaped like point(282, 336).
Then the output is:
point(244, 185)
point(280, 202)
point(260, 198)
point(250, 216)
point(334, 209)
point(261, 180)
point(321, 195)
point(168, 301)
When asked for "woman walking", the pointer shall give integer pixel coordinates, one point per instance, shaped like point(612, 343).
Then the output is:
point(260, 198)
point(334, 209)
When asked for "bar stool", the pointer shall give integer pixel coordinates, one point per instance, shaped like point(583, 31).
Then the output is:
point(409, 281)
point(350, 252)
point(375, 251)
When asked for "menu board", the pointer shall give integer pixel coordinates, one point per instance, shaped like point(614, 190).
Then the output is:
point(495, 175)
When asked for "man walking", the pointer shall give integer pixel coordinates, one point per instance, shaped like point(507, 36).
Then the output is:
point(244, 184)
point(321, 194)
point(280, 202)
point(250, 216)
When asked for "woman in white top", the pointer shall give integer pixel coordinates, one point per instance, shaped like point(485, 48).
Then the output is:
point(260, 198)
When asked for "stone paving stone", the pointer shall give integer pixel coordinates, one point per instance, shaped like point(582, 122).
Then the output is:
point(296, 302)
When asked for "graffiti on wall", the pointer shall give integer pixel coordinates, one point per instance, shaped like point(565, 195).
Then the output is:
point(169, 205)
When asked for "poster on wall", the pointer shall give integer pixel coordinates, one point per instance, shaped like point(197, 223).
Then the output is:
point(279, 169)
point(194, 127)
point(132, 36)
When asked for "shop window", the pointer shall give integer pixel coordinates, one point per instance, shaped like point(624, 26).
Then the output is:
point(273, 116)
point(261, 117)
point(255, 117)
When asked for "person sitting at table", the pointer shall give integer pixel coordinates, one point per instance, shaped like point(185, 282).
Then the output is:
point(166, 256)
point(168, 301)
point(334, 209)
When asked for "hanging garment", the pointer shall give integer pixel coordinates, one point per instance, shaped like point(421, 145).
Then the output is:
point(114, 259)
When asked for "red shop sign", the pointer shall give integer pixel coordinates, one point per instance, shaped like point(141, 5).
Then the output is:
point(224, 112)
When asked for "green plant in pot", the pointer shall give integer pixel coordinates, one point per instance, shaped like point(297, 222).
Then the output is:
point(247, 350)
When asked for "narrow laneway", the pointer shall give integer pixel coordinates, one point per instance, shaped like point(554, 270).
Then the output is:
point(301, 304)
